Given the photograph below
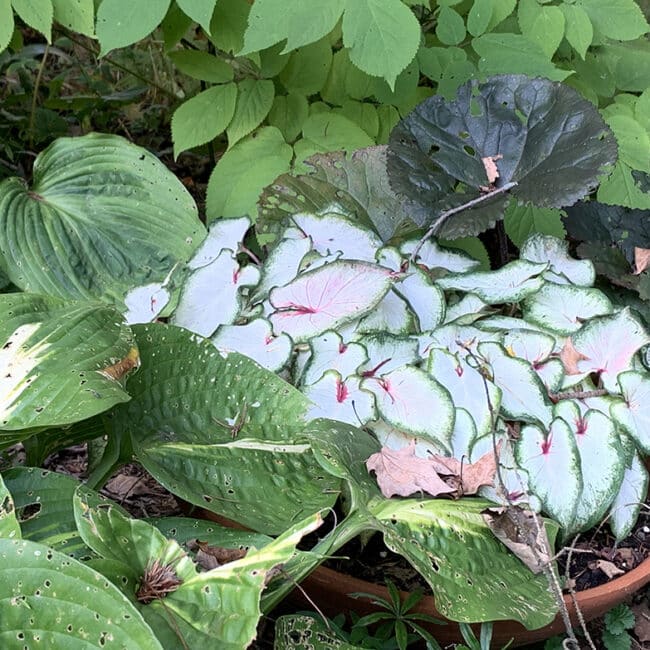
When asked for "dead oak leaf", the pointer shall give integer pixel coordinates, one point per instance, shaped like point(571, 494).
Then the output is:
point(467, 477)
point(641, 259)
point(400, 472)
point(570, 357)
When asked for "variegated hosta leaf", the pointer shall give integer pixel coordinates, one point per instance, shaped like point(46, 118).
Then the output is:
point(425, 299)
point(327, 297)
point(563, 269)
point(467, 387)
point(522, 393)
point(102, 216)
point(329, 352)
point(511, 283)
point(564, 308)
point(633, 414)
point(602, 462)
point(608, 345)
point(9, 526)
point(392, 315)
point(432, 256)
point(61, 361)
point(631, 496)
point(223, 234)
point(400, 395)
point(391, 437)
point(552, 461)
point(257, 341)
point(467, 310)
point(341, 399)
point(211, 295)
point(387, 353)
point(332, 232)
point(534, 347)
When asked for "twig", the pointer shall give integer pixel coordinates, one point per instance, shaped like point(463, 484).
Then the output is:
point(459, 208)
point(37, 83)
point(572, 594)
point(579, 394)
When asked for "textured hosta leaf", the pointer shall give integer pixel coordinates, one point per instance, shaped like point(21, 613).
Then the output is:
point(630, 498)
point(295, 631)
point(255, 340)
point(88, 610)
point(62, 362)
point(634, 413)
point(522, 119)
point(465, 588)
point(341, 399)
point(387, 353)
point(534, 347)
point(425, 299)
point(9, 526)
point(223, 233)
point(329, 352)
point(392, 314)
point(101, 217)
point(547, 456)
point(400, 395)
point(522, 394)
point(432, 256)
point(564, 308)
point(327, 297)
point(511, 283)
point(211, 296)
point(563, 269)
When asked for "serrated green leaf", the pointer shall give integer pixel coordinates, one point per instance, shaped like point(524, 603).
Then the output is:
point(78, 16)
point(362, 114)
point(174, 26)
point(501, 9)
point(307, 69)
point(200, 11)
point(123, 22)
point(9, 526)
point(254, 101)
point(6, 23)
point(627, 65)
point(288, 113)
point(542, 25)
point(202, 65)
point(521, 221)
point(241, 173)
point(633, 142)
point(37, 14)
point(621, 20)
point(578, 30)
point(332, 132)
point(450, 27)
point(479, 17)
point(620, 188)
point(229, 24)
point(642, 109)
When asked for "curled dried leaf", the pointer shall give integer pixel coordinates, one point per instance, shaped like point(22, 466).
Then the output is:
point(570, 357)
point(159, 580)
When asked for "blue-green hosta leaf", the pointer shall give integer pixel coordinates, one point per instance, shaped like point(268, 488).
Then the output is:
point(552, 461)
point(564, 308)
point(387, 353)
point(467, 310)
point(327, 297)
point(563, 269)
point(68, 604)
point(61, 362)
point(432, 256)
point(633, 414)
point(424, 298)
point(607, 346)
point(522, 393)
point(467, 387)
point(400, 395)
point(337, 398)
point(102, 216)
point(602, 462)
point(255, 340)
point(211, 295)
point(392, 314)
point(9, 526)
point(223, 233)
point(329, 352)
point(534, 347)
point(631, 496)
point(511, 283)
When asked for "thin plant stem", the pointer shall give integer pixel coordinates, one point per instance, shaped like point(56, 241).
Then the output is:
point(37, 84)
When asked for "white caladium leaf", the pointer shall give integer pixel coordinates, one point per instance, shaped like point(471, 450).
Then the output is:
point(602, 462)
point(511, 283)
point(392, 315)
point(340, 399)
point(466, 387)
point(144, 304)
point(211, 294)
point(391, 437)
point(433, 256)
point(223, 234)
point(467, 310)
point(534, 347)
point(563, 268)
point(400, 395)
point(522, 393)
point(329, 352)
point(631, 496)
point(552, 374)
point(455, 338)
point(323, 299)
point(633, 414)
point(607, 346)
point(463, 435)
point(387, 353)
point(282, 265)
point(553, 465)
point(425, 298)
point(506, 323)
point(257, 341)
point(314, 260)
point(564, 308)
point(485, 444)
point(333, 232)
point(390, 258)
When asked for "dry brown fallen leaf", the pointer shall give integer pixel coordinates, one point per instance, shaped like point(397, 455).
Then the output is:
point(608, 568)
point(641, 260)
point(491, 169)
point(467, 477)
point(570, 357)
point(210, 557)
point(642, 621)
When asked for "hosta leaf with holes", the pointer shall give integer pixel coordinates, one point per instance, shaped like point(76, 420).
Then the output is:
point(211, 296)
point(432, 256)
point(400, 395)
point(88, 609)
point(327, 297)
point(464, 585)
point(564, 308)
point(296, 631)
point(547, 456)
point(222, 234)
point(630, 498)
point(633, 414)
point(511, 283)
point(523, 396)
point(255, 340)
point(329, 352)
point(62, 362)
point(101, 217)
point(554, 143)
point(425, 299)
point(9, 526)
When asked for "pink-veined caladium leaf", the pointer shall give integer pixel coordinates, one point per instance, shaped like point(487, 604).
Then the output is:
point(223, 233)
point(392, 315)
point(327, 297)
point(329, 352)
point(633, 414)
point(632, 494)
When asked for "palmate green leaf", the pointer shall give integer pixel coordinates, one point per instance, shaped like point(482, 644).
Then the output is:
point(202, 65)
point(9, 526)
point(200, 11)
point(88, 609)
point(63, 362)
point(78, 16)
point(122, 22)
point(254, 101)
point(102, 216)
point(6, 23)
point(621, 20)
point(37, 14)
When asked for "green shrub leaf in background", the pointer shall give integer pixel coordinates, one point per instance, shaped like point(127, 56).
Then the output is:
point(254, 101)
point(78, 16)
point(6, 23)
point(199, 11)
point(37, 14)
